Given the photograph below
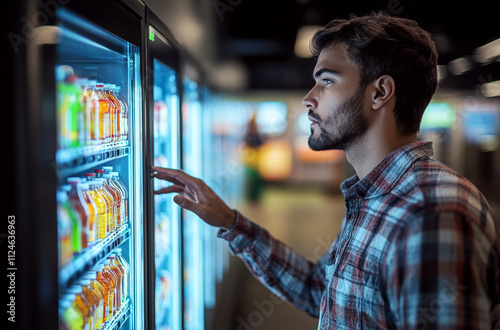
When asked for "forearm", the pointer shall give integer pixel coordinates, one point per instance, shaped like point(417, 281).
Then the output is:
point(286, 273)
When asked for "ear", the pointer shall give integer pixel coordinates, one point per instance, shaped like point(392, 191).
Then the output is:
point(383, 91)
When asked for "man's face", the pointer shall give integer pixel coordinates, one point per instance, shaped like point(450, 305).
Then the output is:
point(336, 102)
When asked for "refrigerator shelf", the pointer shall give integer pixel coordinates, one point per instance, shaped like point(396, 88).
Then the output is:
point(70, 161)
point(91, 257)
point(120, 318)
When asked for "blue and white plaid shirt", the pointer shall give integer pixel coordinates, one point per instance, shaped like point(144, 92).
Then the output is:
point(419, 249)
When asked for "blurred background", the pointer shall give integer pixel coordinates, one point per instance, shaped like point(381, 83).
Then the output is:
point(244, 67)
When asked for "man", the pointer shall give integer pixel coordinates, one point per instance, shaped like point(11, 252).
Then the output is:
point(419, 247)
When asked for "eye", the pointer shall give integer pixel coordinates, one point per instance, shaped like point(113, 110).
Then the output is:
point(327, 81)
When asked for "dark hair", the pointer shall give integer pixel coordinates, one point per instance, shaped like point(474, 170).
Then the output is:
point(384, 45)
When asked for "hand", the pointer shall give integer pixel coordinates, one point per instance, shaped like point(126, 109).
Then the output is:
point(195, 196)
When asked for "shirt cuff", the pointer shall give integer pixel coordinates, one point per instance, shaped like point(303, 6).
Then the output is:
point(241, 234)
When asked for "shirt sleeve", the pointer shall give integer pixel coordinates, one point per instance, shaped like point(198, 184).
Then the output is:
point(289, 275)
point(441, 274)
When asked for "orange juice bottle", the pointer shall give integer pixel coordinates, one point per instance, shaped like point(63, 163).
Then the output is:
point(117, 197)
point(102, 115)
point(99, 294)
point(101, 215)
point(106, 285)
point(109, 276)
point(91, 299)
point(121, 185)
point(84, 186)
point(123, 264)
point(83, 305)
point(119, 276)
point(110, 206)
point(80, 206)
point(112, 114)
point(118, 111)
point(111, 199)
point(124, 114)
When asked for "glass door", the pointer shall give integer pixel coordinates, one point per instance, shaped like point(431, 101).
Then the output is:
point(165, 248)
point(99, 171)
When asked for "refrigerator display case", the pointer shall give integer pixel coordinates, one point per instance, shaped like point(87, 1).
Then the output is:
point(194, 262)
point(82, 255)
point(164, 282)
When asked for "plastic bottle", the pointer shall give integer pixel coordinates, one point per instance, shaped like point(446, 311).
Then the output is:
point(102, 213)
point(90, 104)
point(91, 299)
point(124, 116)
point(110, 205)
point(64, 229)
point(111, 279)
point(116, 179)
point(117, 197)
point(76, 115)
point(103, 119)
point(85, 188)
point(98, 294)
point(123, 264)
point(121, 119)
point(70, 315)
point(119, 275)
point(83, 305)
point(103, 281)
point(117, 111)
point(78, 203)
point(76, 223)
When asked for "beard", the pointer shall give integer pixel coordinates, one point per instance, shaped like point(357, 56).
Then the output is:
point(342, 126)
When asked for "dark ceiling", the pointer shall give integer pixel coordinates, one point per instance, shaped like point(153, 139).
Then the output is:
point(262, 34)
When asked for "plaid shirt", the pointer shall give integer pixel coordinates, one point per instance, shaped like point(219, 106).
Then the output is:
point(419, 248)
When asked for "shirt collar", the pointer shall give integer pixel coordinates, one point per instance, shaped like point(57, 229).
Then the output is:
point(387, 173)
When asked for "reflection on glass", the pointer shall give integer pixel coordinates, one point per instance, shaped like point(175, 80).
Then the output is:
point(166, 213)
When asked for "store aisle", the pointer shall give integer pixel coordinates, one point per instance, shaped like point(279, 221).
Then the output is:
point(308, 220)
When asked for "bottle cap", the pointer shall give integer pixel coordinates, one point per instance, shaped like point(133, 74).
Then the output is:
point(107, 176)
point(107, 168)
point(74, 180)
point(98, 171)
point(105, 262)
point(66, 187)
point(84, 186)
point(112, 255)
point(98, 267)
point(76, 289)
point(114, 173)
point(89, 174)
point(118, 250)
point(90, 275)
point(84, 281)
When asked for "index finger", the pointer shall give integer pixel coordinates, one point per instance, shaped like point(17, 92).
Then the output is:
point(169, 174)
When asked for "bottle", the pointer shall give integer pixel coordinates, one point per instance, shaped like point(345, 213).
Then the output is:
point(123, 264)
point(76, 114)
point(71, 316)
point(90, 103)
point(109, 276)
point(80, 205)
point(76, 223)
point(103, 118)
point(124, 117)
point(116, 179)
point(83, 306)
point(103, 281)
point(91, 298)
point(117, 196)
point(121, 119)
point(110, 205)
point(64, 229)
point(118, 274)
point(98, 293)
point(102, 212)
point(84, 187)
point(117, 111)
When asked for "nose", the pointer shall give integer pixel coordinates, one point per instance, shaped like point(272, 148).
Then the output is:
point(309, 101)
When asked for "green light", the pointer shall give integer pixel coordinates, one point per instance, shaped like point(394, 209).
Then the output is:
point(151, 35)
